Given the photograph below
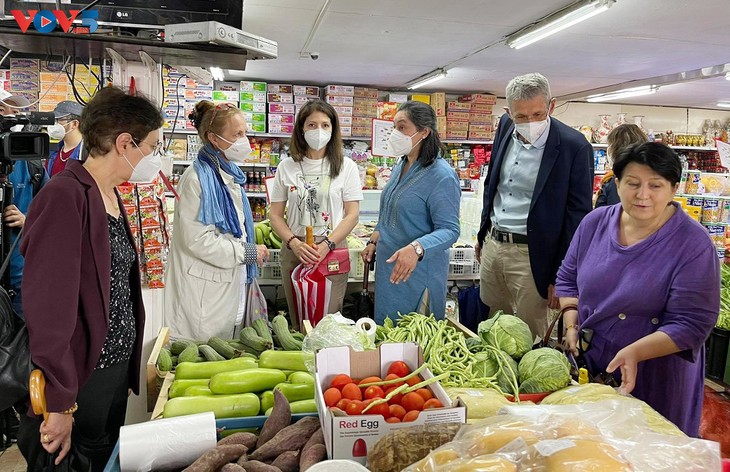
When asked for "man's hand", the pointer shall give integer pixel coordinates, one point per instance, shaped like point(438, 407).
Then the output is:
point(13, 217)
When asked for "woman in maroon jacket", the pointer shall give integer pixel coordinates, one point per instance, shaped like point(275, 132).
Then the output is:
point(83, 306)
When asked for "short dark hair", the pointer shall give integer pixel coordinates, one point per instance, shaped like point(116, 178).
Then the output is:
point(334, 151)
point(111, 112)
point(423, 117)
point(657, 156)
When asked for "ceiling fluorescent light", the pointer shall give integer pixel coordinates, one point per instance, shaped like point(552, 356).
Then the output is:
point(438, 74)
point(724, 104)
point(625, 93)
point(217, 73)
point(558, 21)
point(727, 76)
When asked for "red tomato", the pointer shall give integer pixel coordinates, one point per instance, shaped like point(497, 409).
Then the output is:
point(368, 380)
point(332, 396)
point(379, 409)
point(397, 411)
point(432, 403)
point(340, 381)
point(399, 368)
point(396, 399)
point(412, 401)
point(413, 380)
point(374, 392)
point(342, 404)
point(393, 377)
point(392, 419)
point(425, 393)
point(351, 392)
point(410, 416)
point(355, 408)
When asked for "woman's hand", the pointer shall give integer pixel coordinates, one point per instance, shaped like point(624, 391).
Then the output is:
point(262, 254)
point(306, 254)
point(368, 253)
point(405, 260)
point(322, 250)
point(55, 433)
point(571, 341)
point(626, 359)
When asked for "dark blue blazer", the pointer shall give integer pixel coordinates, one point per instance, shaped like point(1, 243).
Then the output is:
point(562, 197)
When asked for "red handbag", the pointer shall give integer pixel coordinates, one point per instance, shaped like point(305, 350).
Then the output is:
point(336, 262)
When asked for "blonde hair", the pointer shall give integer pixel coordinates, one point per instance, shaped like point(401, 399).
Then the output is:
point(622, 137)
point(208, 117)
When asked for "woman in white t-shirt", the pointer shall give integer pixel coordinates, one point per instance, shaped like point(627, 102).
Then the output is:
point(317, 187)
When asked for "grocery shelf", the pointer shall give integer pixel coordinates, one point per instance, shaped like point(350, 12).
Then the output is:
point(466, 141)
point(680, 148)
point(256, 194)
point(179, 162)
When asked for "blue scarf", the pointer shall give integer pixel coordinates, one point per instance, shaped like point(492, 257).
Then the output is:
point(216, 203)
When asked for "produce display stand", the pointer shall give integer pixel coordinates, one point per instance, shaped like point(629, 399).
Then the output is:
point(163, 396)
point(154, 377)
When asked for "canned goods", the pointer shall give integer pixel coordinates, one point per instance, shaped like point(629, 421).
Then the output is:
point(716, 232)
point(711, 211)
point(694, 179)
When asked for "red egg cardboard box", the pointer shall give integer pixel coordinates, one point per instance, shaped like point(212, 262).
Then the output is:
point(351, 437)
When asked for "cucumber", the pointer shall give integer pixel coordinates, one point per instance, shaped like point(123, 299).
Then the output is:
point(164, 360)
point(179, 345)
point(245, 381)
point(267, 400)
point(178, 387)
point(296, 392)
point(222, 347)
point(250, 338)
point(285, 360)
point(205, 370)
point(190, 354)
point(222, 406)
point(197, 390)
point(284, 337)
point(302, 406)
point(301, 378)
point(262, 329)
point(209, 353)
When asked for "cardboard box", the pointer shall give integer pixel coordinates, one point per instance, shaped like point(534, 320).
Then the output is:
point(346, 131)
point(481, 135)
point(339, 100)
point(345, 120)
point(231, 96)
point(480, 108)
point(25, 85)
point(307, 90)
point(362, 121)
point(252, 97)
point(25, 74)
point(341, 432)
point(279, 88)
point(174, 112)
point(192, 83)
point(364, 102)
point(252, 117)
point(368, 111)
point(255, 107)
point(485, 128)
point(57, 88)
point(387, 110)
point(366, 131)
point(364, 92)
point(422, 98)
point(480, 117)
point(24, 64)
point(438, 103)
point(397, 97)
point(50, 77)
point(457, 125)
point(196, 94)
point(170, 123)
point(479, 98)
point(342, 110)
point(281, 128)
point(288, 108)
point(457, 116)
point(281, 118)
point(279, 98)
point(441, 125)
point(348, 90)
point(247, 86)
point(256, 127)
point(174, 102)
point(456, 134)
point(456, 106)
point(300, 100)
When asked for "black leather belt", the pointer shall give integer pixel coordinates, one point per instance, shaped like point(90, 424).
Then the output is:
point(505, 237)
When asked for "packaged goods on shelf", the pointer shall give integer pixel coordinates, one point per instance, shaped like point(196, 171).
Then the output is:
point(30, 64)
point(457, 134)
point(194, 145)
point(361, 121)
point(286, 108)
point(362, 131)
point(279, 89)
point(365, 107)
point(254, 117)
point(257, 127)
point(457, 116)
point(364, 92)
point(179, 148)
point(279, 98)
point(61, 87)
point(387, 110)
point(197, 94)
point(24, 75)
point(340, 100)
point(481, 131)
point(441, 125)
point(179, 124)
point(255, 107)
point(480, 118)
point(230, 96)
point(460, 126)
point(280, 128)
point(421, 98)
point(397, 97)
point(300, 100)
point(343, 110)
point(438, 103)
point(192, 83)
point(173, 112)
point(259, 97)
point(348, 90)
point(479, 98)
point(346, 131)
point(280, 118)
point(247, 86)
point(307, 90)
point(345, 120)
point(457, 107)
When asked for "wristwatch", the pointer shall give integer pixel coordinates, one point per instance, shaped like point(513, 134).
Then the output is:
point(419, 249)
point(330, 244)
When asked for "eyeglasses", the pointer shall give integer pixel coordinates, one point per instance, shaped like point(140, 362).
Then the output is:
point(222, 106)
point(156, 148)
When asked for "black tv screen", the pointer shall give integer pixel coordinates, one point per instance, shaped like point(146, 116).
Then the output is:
point(145, 13)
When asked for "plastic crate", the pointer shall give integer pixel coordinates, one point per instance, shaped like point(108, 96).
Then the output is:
point(271, 272)
point(465, 269)
point(461, 255)
point(274, 255)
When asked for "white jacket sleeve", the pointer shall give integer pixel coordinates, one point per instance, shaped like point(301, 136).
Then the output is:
point(199, 240)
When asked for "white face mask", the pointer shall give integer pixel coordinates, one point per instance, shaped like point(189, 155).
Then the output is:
point(532, 131)
point(57, 131)
point(317, 138)
point(239, 151)
point(146, 169)
point(400, 144)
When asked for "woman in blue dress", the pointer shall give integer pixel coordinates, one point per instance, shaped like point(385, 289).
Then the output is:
point(419, 218)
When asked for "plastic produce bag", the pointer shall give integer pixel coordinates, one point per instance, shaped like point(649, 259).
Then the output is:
point(334, 330)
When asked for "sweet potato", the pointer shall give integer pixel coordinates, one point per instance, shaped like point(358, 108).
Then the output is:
point(317, 438)
point(314, 454)
point(242, 459)
point(402, 447)
point(287, 461)
point(213, 459)
point(247, 439)
point(279, 419)
point(257, 466)
point(291, 438)
point(232, 468)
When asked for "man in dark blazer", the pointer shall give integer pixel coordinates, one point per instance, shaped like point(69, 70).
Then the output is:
point(537, 190)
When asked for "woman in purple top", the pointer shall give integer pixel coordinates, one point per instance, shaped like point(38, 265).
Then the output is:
point(643, 278)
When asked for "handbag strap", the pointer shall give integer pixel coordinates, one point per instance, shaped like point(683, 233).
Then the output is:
point(6, 262)
point(559, 321)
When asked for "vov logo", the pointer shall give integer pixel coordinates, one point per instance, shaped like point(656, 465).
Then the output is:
point(46, 21)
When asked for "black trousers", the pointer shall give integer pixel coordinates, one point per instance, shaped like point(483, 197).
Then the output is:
point(102, 408)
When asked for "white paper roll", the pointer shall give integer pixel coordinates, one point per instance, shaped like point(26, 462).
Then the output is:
point(367, 326)
point(171, 443)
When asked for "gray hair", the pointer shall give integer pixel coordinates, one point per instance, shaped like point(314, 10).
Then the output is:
point(527, 87)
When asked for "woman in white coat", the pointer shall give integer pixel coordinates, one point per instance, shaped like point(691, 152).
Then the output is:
point(212, 255)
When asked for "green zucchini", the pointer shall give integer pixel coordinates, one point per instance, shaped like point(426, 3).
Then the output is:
point(190, 354)
point(179, 345)
point(296, 392)
point(178, 387)
point(209, 353)
point(302, 406)
point(164, 360)
point(301, 378)
point(262, 329)
point(267, 400)
point(250, 338)
point(222, 406)
point(205, 370)
point(222, 347)
point(245, 381)
point(298, 336)
point(197, 390)
point(280, 326)
point(285, 360)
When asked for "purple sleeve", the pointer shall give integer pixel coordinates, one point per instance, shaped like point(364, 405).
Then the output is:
point(694, 303)
point(566, 284)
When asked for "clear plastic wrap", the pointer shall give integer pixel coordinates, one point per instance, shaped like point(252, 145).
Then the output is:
point(331, 331)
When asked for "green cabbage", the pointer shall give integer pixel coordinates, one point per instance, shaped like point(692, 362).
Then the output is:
point(486, 364)
point(543, 370)
point(508, 333)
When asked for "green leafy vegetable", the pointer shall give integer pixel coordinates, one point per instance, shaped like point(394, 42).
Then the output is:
point(508, 333)
point(499, 364)
point(723, 321)
point(543, 370)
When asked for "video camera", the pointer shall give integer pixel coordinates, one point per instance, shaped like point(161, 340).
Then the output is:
point(24, 145)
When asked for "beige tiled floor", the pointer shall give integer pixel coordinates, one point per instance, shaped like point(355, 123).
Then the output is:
point(12, 461)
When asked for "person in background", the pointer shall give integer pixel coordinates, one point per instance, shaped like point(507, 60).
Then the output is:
point(82, 293)
point(66, 130)
point(648, 324)
point(538, 188)
point(212, 254)
point(418, 221)
point(317, 187)
point(619, 138)
point(27, 177)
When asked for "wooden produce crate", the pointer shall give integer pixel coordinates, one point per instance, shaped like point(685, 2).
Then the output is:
point(155, 377)
point(162, 398)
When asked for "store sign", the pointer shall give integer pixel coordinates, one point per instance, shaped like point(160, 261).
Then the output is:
point(46, 21)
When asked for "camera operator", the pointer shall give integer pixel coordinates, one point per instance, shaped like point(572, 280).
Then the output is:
point(66, 130)
point(27, 177)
